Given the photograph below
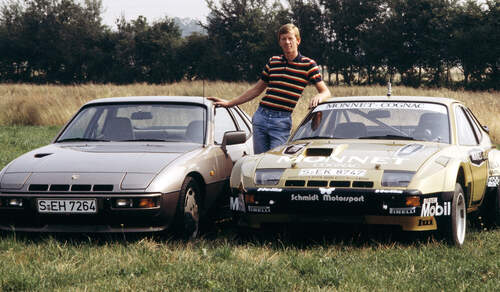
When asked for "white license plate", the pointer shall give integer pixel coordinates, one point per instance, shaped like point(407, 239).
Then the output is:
point(67, 206)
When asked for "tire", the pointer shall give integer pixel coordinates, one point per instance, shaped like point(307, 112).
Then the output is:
point(188, 210)
point(454, 226)
point(490, 210)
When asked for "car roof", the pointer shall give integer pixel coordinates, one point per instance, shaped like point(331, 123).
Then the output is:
point(441, 100)
point(134, 99)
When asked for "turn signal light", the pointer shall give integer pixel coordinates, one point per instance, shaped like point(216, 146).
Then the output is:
point(413, 201)
point(249, 199)
point(147, 203)
point(15, 203)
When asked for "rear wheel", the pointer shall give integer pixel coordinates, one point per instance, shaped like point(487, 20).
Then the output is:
point(188, 212)
point(455, 225)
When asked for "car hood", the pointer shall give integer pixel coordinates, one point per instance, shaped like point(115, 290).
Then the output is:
point(100, 158)
point(358, 154)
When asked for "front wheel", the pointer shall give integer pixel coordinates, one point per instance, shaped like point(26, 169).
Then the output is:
point(455, 225)
point(188, 213)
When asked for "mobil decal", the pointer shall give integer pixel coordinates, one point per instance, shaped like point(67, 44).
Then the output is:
point(431, 207)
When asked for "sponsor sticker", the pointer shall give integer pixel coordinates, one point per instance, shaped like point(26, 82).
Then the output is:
point(327, 191)
point(326, 197)
point(237, 203)
point(402, 211)
point(332, 172)
point(423, 222)
point(352, 160)
point(431, 207)
point(276, 190)
point(477, 157)
point(381, 105)
point(388, 191)
point(493, 181)
point(345, 199)
point(259, 209)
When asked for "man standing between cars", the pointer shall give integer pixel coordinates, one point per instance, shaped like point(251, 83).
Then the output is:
point(285, 78)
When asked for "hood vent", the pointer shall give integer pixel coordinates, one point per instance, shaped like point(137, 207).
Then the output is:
point(40, 155)
point(319, 151)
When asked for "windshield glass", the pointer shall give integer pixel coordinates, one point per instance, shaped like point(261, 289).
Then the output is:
point(377, 120)
point(138, 122)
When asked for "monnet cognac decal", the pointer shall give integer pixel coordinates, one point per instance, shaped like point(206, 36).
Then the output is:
point(431, 207)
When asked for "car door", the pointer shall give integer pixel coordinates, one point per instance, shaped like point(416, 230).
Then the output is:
point(469, 140)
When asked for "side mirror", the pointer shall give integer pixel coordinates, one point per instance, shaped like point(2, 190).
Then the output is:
point(486, 129)
point(232, 138)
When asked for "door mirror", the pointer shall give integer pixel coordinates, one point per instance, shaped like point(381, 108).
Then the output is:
point(232, 138)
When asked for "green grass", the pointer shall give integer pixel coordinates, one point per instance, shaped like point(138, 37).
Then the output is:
point(338, 260)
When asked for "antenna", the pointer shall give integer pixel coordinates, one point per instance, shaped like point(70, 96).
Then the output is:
point(389, 89)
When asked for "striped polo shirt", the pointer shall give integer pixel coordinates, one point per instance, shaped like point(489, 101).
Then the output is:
point(286, 81)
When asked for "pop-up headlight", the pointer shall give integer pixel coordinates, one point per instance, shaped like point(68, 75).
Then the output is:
point(397, 178)
point(268, 176)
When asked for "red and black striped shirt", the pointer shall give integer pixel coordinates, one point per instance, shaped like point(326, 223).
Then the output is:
point(286, 81)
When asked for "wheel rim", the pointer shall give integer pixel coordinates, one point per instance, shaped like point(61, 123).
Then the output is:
point(191, 211)
point(460, 218)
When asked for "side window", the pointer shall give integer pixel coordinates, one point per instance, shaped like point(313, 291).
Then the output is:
point(465, 132)
point(475, 124)
point(223, 123)
point(242, 125)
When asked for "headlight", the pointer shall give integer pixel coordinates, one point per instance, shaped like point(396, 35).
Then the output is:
point(397, 178)
point(268, 176)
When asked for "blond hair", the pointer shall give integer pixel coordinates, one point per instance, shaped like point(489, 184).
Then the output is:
point(289, 27)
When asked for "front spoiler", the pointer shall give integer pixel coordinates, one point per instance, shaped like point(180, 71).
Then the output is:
point(258, 206)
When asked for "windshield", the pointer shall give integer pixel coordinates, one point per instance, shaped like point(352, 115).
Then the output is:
point(138, 122)
point(376, 120)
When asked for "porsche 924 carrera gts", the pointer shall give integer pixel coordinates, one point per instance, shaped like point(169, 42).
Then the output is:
point(130, 164)
point(419, 163)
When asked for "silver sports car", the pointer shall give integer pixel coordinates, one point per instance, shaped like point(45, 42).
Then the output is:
point(128, 164)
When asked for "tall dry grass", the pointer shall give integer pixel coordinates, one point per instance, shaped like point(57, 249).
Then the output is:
point(22, 104)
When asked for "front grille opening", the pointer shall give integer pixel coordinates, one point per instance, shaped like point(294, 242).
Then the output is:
point(38, 188)
point(81, 188)
point(295, 183)
point(103, 188)
point(319, 151)
point(340, 183)
point(362, 184)
point(59, 188)
point(317, 183)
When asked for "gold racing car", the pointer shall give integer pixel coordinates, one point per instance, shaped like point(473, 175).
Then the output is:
point(421, 163)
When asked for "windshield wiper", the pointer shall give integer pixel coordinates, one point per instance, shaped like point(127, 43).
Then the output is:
point(81, 140)
point(394, 137)
point(314, 137)
point(144, 140)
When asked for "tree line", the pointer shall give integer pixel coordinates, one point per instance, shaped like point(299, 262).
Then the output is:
point(422, 42)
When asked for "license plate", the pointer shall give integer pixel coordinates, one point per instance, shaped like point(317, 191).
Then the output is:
point(67, 206)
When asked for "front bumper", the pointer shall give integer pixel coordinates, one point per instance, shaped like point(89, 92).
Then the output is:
point(408, 209)
point(108, 218)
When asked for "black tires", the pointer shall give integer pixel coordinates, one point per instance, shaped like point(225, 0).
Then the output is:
point(454, 226)
point(188, 209)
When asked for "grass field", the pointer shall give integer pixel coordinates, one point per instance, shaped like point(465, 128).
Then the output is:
point(337, 258)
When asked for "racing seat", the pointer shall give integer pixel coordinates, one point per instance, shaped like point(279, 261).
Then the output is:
point(118, 129)
point(349, 130)
point(194, 132)
point(432, 127)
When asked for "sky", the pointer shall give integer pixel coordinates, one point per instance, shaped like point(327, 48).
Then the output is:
point(153, 9)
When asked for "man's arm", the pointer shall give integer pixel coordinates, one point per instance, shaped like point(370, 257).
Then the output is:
point(323, 93)
point(250, 94)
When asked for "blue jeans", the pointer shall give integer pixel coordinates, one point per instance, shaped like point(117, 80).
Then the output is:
point(271, 128)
